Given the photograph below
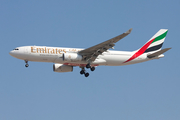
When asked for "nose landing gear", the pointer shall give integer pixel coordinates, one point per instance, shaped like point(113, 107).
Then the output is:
point(26, 65)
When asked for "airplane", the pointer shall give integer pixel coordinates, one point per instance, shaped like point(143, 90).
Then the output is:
point(65, 59)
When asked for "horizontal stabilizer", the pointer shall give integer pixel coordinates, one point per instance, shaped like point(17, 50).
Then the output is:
point(158, 53)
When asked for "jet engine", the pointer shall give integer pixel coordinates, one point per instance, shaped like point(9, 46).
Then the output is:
point(71, 57)
point(62, 68)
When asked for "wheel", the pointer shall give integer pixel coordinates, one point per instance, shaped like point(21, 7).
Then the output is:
point(88, 66)
point(82, 72)
point(86, 74)
point(93, 68)
point(26, 65)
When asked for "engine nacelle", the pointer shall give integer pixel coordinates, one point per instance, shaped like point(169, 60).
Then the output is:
point(62, 68)
point(71, 57)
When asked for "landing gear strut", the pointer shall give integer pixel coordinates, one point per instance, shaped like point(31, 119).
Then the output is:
point(26, 65)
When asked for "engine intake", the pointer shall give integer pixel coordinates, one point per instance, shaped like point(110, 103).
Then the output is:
point(71, 57)
point(62, 68)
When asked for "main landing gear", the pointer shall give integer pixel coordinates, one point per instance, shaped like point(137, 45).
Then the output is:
point(83, 71)
point(86, 74)
point(26, 65)
point(89, 66)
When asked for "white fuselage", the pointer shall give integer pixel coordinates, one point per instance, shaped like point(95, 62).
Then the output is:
point(55, 55)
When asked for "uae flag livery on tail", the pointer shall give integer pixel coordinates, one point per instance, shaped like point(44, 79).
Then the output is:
point(157, 41)
point(153, 45)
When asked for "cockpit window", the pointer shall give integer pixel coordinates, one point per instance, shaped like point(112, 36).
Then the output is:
point(16, 49)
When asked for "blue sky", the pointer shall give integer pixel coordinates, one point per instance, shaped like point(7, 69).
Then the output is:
point(147, 90)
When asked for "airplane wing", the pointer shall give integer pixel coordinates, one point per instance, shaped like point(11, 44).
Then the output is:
point(90, 54)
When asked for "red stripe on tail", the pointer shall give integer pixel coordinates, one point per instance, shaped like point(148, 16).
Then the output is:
point(140, 51)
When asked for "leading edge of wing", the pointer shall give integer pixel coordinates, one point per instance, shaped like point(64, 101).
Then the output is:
point(103, 44)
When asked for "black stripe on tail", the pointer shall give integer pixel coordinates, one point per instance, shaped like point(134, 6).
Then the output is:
point(154, 48)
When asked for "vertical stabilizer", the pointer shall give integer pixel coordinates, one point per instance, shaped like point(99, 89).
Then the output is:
point(156, 42)
point(152, 46)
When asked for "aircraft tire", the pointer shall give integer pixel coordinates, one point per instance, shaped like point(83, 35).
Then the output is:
point(86, 74)
point(27, 65)
point(88, 66)
point(82, 72)
point(92, 68)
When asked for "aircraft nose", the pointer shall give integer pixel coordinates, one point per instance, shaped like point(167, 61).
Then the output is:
point(11, 53)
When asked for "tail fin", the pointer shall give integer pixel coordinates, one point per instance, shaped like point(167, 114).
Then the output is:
point(152, 46)
point(156, 42)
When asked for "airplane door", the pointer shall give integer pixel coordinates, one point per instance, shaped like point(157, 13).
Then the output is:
point(26, 50)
